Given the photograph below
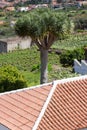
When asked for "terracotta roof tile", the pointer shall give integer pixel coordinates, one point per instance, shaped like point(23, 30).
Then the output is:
point(20, 109)
point(62, 106)
point(67, 109)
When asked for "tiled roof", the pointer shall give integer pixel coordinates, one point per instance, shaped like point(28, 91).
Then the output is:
point(20, 109)
point(58, 106)
point(67, 109)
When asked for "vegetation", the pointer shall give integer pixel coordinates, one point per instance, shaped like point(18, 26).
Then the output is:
point(10, 79)
point(77, 40)
point(28, 65)
point(72, 12)
point(44, 27)
point(27, 61)
point(67, 57)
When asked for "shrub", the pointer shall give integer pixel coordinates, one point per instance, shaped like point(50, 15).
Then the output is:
point(35, 67)
point(2, 14)
point(83, 12)
point(67, 58)
point(11, 79)
point(81, 23)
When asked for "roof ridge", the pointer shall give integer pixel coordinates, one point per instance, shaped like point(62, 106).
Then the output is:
point(65, 80)
point(44, 106)
point(24, 89)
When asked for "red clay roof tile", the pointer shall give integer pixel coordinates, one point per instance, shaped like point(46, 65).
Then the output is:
point(62, 106)
point(20, 109)
point(67, 109)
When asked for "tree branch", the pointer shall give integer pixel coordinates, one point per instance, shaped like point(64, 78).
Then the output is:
point(51, 40)
point(38, 43)
point(43, 43)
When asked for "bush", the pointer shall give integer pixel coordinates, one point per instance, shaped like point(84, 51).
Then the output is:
point(67, 58)
point(11, 79)
point(35, 67)
point(81, 23)
point(2, 14)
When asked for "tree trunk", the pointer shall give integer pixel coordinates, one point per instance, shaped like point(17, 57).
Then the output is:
point(44, 65)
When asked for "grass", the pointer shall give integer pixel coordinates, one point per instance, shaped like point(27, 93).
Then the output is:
point(32, 78)
point(22, 59)
point(25, 61)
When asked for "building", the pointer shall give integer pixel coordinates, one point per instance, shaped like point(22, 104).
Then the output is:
point(61, 105)
point(14, 43)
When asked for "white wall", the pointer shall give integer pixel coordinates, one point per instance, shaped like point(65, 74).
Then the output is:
point(25, 43)
point(3, 127)
point(80, 68)
point(19, 44)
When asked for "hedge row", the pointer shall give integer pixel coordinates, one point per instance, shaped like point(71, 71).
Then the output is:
point(67, 57)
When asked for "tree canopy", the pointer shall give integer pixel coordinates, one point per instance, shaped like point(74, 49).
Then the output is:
point(43, 23)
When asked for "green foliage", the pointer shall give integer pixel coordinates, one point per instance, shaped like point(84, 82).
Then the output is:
point(49, 67)
point(24, 60)
point(73, 42)
point(35, 67)
point(11, 79)
point(61, 73)
point(81, 23)
point(67, 58)
point(2, 14)
point(32, 77)
point(41, 21)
